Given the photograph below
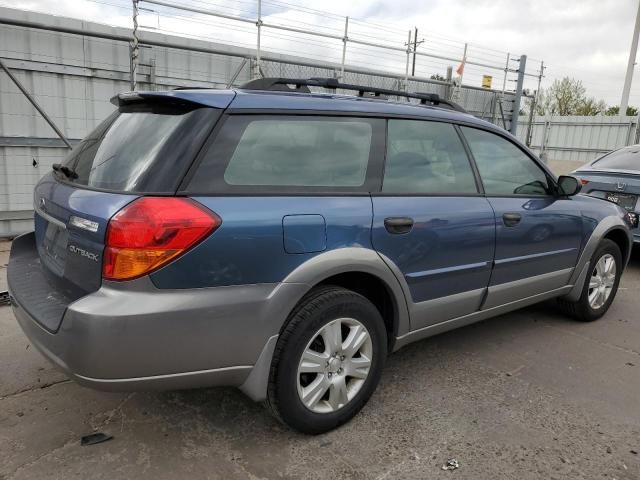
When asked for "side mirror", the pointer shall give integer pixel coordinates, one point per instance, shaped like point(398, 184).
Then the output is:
point(568, 185)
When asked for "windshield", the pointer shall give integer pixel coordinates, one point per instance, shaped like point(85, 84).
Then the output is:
point(141, 149)
point(624, 159)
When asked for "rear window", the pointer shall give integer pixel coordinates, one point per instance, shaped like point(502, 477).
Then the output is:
point(144, 148)
point(625, 159)
point(285, 153)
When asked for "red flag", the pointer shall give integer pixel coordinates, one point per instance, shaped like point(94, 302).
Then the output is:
point(460, 69)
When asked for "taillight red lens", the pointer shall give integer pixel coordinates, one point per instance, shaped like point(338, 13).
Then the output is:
point(150, 232)
point(583, 181)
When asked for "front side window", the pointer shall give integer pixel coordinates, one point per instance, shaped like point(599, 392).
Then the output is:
point(503, 167)
point(287, 152)
point(426, 158)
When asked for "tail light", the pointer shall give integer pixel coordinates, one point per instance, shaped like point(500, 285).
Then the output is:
point(152, 231)
point(583, 181)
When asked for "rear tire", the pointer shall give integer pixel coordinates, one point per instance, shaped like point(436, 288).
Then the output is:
point(600, 286)
point(328, 360)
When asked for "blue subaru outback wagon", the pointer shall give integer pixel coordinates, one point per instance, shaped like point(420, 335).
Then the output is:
point(284, 242)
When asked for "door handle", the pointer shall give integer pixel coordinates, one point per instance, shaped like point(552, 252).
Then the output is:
point(398, 225)
point(511, 219)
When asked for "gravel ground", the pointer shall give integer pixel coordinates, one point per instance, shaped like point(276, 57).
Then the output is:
point(528, 395)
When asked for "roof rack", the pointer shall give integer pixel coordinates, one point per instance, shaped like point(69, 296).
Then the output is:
point(302, 85)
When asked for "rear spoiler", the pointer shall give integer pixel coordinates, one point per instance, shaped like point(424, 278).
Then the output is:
point(186, 98)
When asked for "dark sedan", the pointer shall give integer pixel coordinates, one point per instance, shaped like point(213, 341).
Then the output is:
point(615, 177)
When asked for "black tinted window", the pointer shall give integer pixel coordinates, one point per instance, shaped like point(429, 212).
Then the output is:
point(504, 168)
point(141, 149)
point(426, 158)
point(624, 159)
point(287, 152)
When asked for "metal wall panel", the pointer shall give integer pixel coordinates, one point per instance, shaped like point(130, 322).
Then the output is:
point(74, 76)
point(579, 139)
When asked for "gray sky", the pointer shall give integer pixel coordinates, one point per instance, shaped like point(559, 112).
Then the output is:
point(585, 39)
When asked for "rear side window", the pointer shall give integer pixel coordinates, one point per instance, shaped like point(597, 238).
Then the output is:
point(288, 153)
point(503, 167)
point(426, 158)
point(141, 149)
point(624, 159)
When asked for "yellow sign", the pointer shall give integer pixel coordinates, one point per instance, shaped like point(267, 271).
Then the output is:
point(486, 81)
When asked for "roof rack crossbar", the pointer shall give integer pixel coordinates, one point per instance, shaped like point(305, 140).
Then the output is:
point(301, 85)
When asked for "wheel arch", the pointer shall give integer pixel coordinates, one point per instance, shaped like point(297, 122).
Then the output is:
point(611, 227)
point(620, 238)
point(363, 271)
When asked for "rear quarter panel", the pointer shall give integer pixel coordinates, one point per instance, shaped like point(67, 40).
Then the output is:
point(249, 246)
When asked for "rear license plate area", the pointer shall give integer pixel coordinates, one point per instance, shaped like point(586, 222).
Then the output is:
point(626, 201)
point(54, 247)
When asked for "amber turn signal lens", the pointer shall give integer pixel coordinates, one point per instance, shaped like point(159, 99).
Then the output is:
point(150, 232)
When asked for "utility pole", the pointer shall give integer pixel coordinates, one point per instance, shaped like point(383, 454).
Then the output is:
point(258, 73)
point(516, 100)
point(406, 70)
point(624, 103)
point(415, 48)
point(345, 39)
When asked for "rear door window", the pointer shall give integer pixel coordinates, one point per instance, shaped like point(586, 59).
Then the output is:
point(144, 148)
point(425, 158)
point(291, 153)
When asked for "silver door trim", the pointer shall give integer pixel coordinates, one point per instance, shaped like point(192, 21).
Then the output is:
point(525, 287)
point(447, 325)
point(441, 309)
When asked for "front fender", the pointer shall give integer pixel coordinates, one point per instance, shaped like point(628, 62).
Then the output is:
point(604, 227)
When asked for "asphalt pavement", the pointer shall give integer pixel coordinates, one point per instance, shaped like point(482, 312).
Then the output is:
point(528, 395)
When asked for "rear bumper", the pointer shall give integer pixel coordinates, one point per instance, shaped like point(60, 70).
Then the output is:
point(132, 336)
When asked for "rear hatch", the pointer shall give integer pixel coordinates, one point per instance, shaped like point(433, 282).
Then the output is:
point(622, 188)
point(143, 148)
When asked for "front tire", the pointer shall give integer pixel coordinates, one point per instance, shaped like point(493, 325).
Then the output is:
point(600, 286)
point(328, 360)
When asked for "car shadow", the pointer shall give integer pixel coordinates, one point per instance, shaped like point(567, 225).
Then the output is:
point(434, 359)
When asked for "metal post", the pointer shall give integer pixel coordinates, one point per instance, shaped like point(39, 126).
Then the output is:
point(135, 50)
point(494, 102)
point(630, 65)
point(464, 61)
point(506, 71)
point(406, 70)
point(449, 82)
point(456, 91)
point(35, 104)
point(516, 100)
point(236, 73)
point(257, 72)
point(545, 138)
point(534, 103)
point(345, 39)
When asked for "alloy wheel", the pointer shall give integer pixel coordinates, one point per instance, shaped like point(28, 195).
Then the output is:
point(602, 280)
point(334, 365)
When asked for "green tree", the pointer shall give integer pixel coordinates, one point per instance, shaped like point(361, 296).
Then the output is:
point(591, 107)
point(437, 76)
point(566, 96)
point(615, 110)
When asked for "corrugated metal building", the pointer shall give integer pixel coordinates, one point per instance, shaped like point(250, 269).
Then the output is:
point(73, 76)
